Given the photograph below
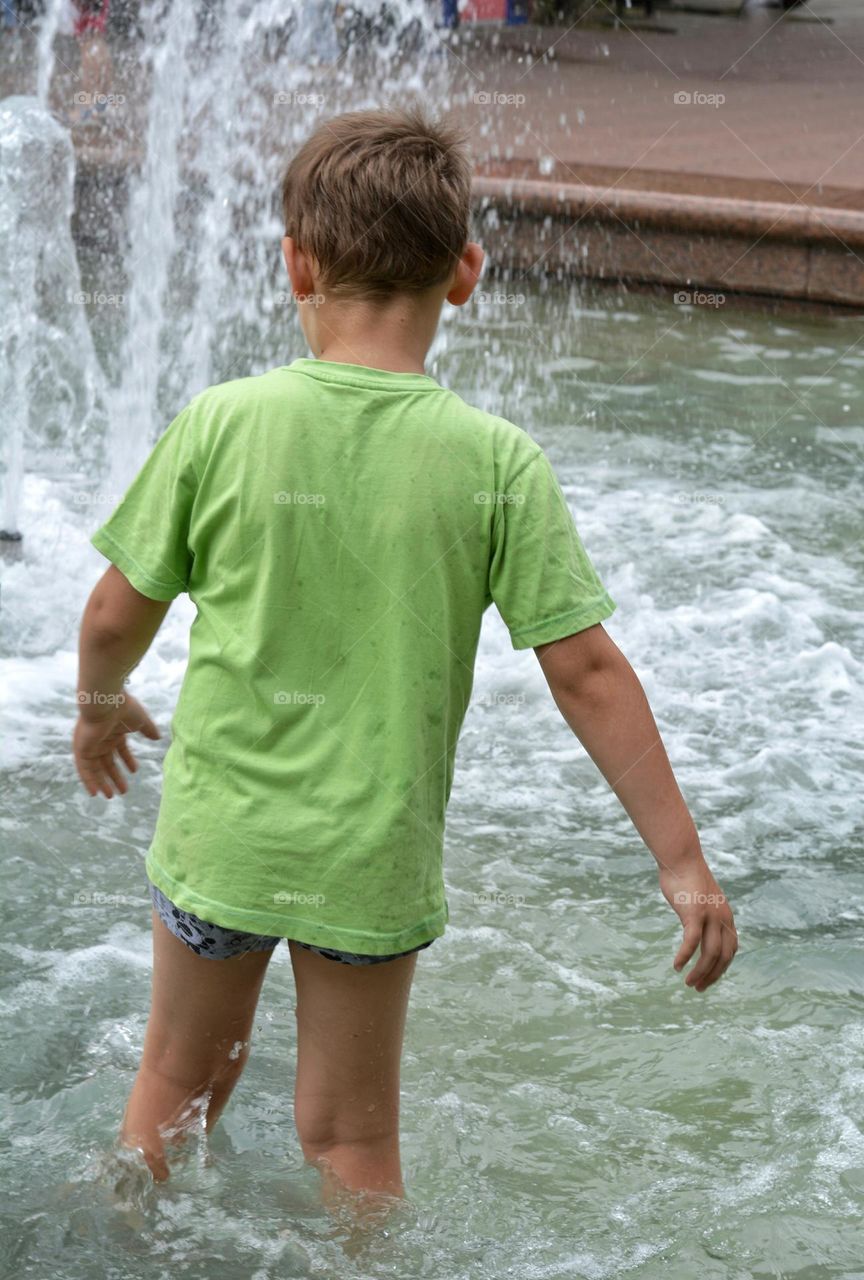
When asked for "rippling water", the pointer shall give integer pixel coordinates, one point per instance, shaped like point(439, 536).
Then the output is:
point(570, 1108)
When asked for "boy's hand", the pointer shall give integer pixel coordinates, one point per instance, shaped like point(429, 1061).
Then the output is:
point(701, 905)
point(100, 744)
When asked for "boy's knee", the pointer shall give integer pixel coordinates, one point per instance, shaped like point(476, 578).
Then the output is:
point(321, 1133)
point(180, 1066)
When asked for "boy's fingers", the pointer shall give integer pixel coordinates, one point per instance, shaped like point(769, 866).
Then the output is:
point(148, 728)
point(728, 947)
point(716, 971)
point(691, 940)
point(123, 750)
point(103, 787)
point(88, 775)
point(112, 772)
point(710, 952)
point(100, 783)
point(89, 784)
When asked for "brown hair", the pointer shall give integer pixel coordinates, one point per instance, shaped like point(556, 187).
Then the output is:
point(380, 200)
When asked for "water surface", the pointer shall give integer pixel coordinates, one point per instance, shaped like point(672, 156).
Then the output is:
point(570, 1108)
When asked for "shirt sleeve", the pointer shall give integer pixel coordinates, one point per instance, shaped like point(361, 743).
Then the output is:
point(540, 576)
point(147, 536)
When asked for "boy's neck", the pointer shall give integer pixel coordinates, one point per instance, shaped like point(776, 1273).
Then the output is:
point(395, 336)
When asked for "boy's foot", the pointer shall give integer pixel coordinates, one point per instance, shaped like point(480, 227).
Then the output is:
point(154, 1162)
point(122, 1171)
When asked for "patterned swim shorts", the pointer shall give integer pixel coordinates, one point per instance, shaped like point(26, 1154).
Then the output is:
point(217, 943)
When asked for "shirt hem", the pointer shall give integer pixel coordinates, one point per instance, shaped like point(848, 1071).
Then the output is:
point(140, 579)
point(565, 624)
point(298, 928)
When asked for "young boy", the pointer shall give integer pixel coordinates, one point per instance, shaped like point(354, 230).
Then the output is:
point(342, 523)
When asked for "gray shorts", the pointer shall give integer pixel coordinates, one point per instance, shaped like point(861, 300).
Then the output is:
point(217, 943)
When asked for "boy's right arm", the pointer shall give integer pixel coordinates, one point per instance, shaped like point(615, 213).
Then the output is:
point(601, 698)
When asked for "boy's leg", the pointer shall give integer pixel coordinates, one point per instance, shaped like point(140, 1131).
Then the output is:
point(196, 1044)
point(350, 1024)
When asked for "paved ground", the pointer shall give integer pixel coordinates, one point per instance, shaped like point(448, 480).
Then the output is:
point(601, 105)
point(762, 108)
point(776, 107)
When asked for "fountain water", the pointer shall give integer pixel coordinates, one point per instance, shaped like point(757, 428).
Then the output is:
point(561, 1089)
point(49, 376)
point(219, 96)
point(45, 58)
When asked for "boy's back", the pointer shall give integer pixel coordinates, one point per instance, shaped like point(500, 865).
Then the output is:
point(341, 530)
point(341, 525)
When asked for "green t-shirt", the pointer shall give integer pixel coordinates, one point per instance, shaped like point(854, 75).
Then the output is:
point(341, 531)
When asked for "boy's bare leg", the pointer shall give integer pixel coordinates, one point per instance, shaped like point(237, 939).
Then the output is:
point(196, 1044)
point(350, 1025)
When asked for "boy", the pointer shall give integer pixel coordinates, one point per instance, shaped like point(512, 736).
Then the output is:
point(342, 523)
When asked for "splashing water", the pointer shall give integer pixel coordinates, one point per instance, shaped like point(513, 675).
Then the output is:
point(51, 383)
point(219, 99)
point(569, 1110)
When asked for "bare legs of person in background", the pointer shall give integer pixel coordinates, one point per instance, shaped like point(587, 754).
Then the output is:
point(96, 80)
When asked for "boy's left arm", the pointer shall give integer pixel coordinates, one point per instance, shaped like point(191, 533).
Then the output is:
point(117, 629)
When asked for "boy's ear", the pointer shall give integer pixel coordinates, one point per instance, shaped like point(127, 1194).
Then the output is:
point(467, 274)
point(299, 270)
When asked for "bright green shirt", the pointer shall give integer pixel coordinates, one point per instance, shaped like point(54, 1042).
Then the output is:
point(341, 531)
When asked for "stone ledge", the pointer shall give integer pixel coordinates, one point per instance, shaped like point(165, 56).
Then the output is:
point(815, 253)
